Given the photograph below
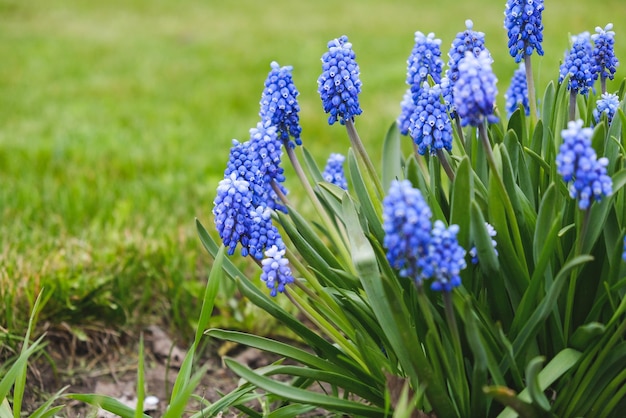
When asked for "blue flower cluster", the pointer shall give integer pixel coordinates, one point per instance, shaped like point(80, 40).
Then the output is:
point(468, 40)
point(231, 208)
point(577, 163)
point(279, 104)
point(339, 84)
point(275, 270)
point(475, 90)
point(333, 172)
point(579, 65)
point(407, 107)
point(517, 92)
point(425, 60)
point(605, 62)
point(473, 252)
point(445, 258)
point(406, 222)
point(430, 125)
point(413, 248)
point(522, 20)
point(608, 105)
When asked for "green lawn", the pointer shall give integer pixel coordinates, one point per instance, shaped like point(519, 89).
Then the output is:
point(116, 119)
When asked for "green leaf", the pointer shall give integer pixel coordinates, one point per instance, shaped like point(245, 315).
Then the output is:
point(392, 157)
point(184, 374)
point(141, 388)
point(178, 403)
point(314, 170)
point(365, 198)
point(107, 403)
point(213, 285)
point(300, 395)
point(462, 195)
point(532, 381)
point(290, 411)
point(586, 334)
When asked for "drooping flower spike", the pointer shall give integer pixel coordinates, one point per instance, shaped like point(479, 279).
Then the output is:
point(333, 172)
point(280, 106)
point(430, 125)
point(445, 258)
point(425, 60)
point(475, 90)
point(608, 105)
point(579, 166)
point(339, 84)
point(517, 93)
point(579, 65)
point(406, 223)
point(522, 20)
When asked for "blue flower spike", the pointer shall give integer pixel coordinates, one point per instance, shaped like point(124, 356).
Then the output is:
point(430, 125)
point(407, 107)
point(407, 225)
point(517, 93)
point(445, 258)
point(231, 207)
point(579, 65)
point(475, 90)
point(467, 41)
point(425, 60)
point(275, 270)
point(523, 23)
point(280, 106)
point(605, 62)
point(579, 166)
point(339, 84)
point(608, 105)
point(334, 173)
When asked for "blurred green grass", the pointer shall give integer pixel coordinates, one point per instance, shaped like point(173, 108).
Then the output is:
point(116, 119)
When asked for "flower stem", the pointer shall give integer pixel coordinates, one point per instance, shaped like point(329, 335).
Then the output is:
point(459, 128)
point(530, 83)
point(603, 83)
point(572, 104)
point(445, 164)
point(357, 144)
point(280, 193)
point(330, 227)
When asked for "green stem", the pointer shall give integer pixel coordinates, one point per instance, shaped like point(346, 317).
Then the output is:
point(357, 144)
point(459, 129)
point(572, 104)
point(571, 291)
point(330, 226)
point(445, 164)
point(603, 83)
point(530, 83)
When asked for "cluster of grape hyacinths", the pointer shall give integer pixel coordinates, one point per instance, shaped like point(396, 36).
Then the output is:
point(430, 125)
point(605, 62)
point(473, 252)
point(333, 172)
point(475, 90)
point(517, 93)
point(579, 65)
point(607, 104)
point(578, 164)
point(279, 105)
point(339, 84)
point(245, 200)
point(445, 258)
point(466, 41)
point(522, 20)
point(416, 249)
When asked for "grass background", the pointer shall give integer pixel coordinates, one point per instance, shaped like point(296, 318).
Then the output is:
point(116, 119)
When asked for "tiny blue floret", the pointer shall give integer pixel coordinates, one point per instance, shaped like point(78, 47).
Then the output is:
point(276, 272)
point(473, 252)
point(475, 90)
point(339, 84)
point(517, 92)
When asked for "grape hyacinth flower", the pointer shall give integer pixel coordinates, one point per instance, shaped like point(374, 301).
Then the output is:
point(231, 209)
point(522, 20)
point(445, 258)
point(407, 107)
point(279, 104)
point(475, 90)
point(333, 172)
point(578, 64)
point(262, 233)
point(468, 40)
point(517, 92)
point(430, 126)
point(339, 84)
point(473, 252)
point(425, 60)
point(608, 105)
point(605, 62)
point(276, 272)
point(406, 222)
point(578, 164)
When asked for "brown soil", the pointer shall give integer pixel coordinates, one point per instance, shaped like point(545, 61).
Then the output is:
point(105, 363)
